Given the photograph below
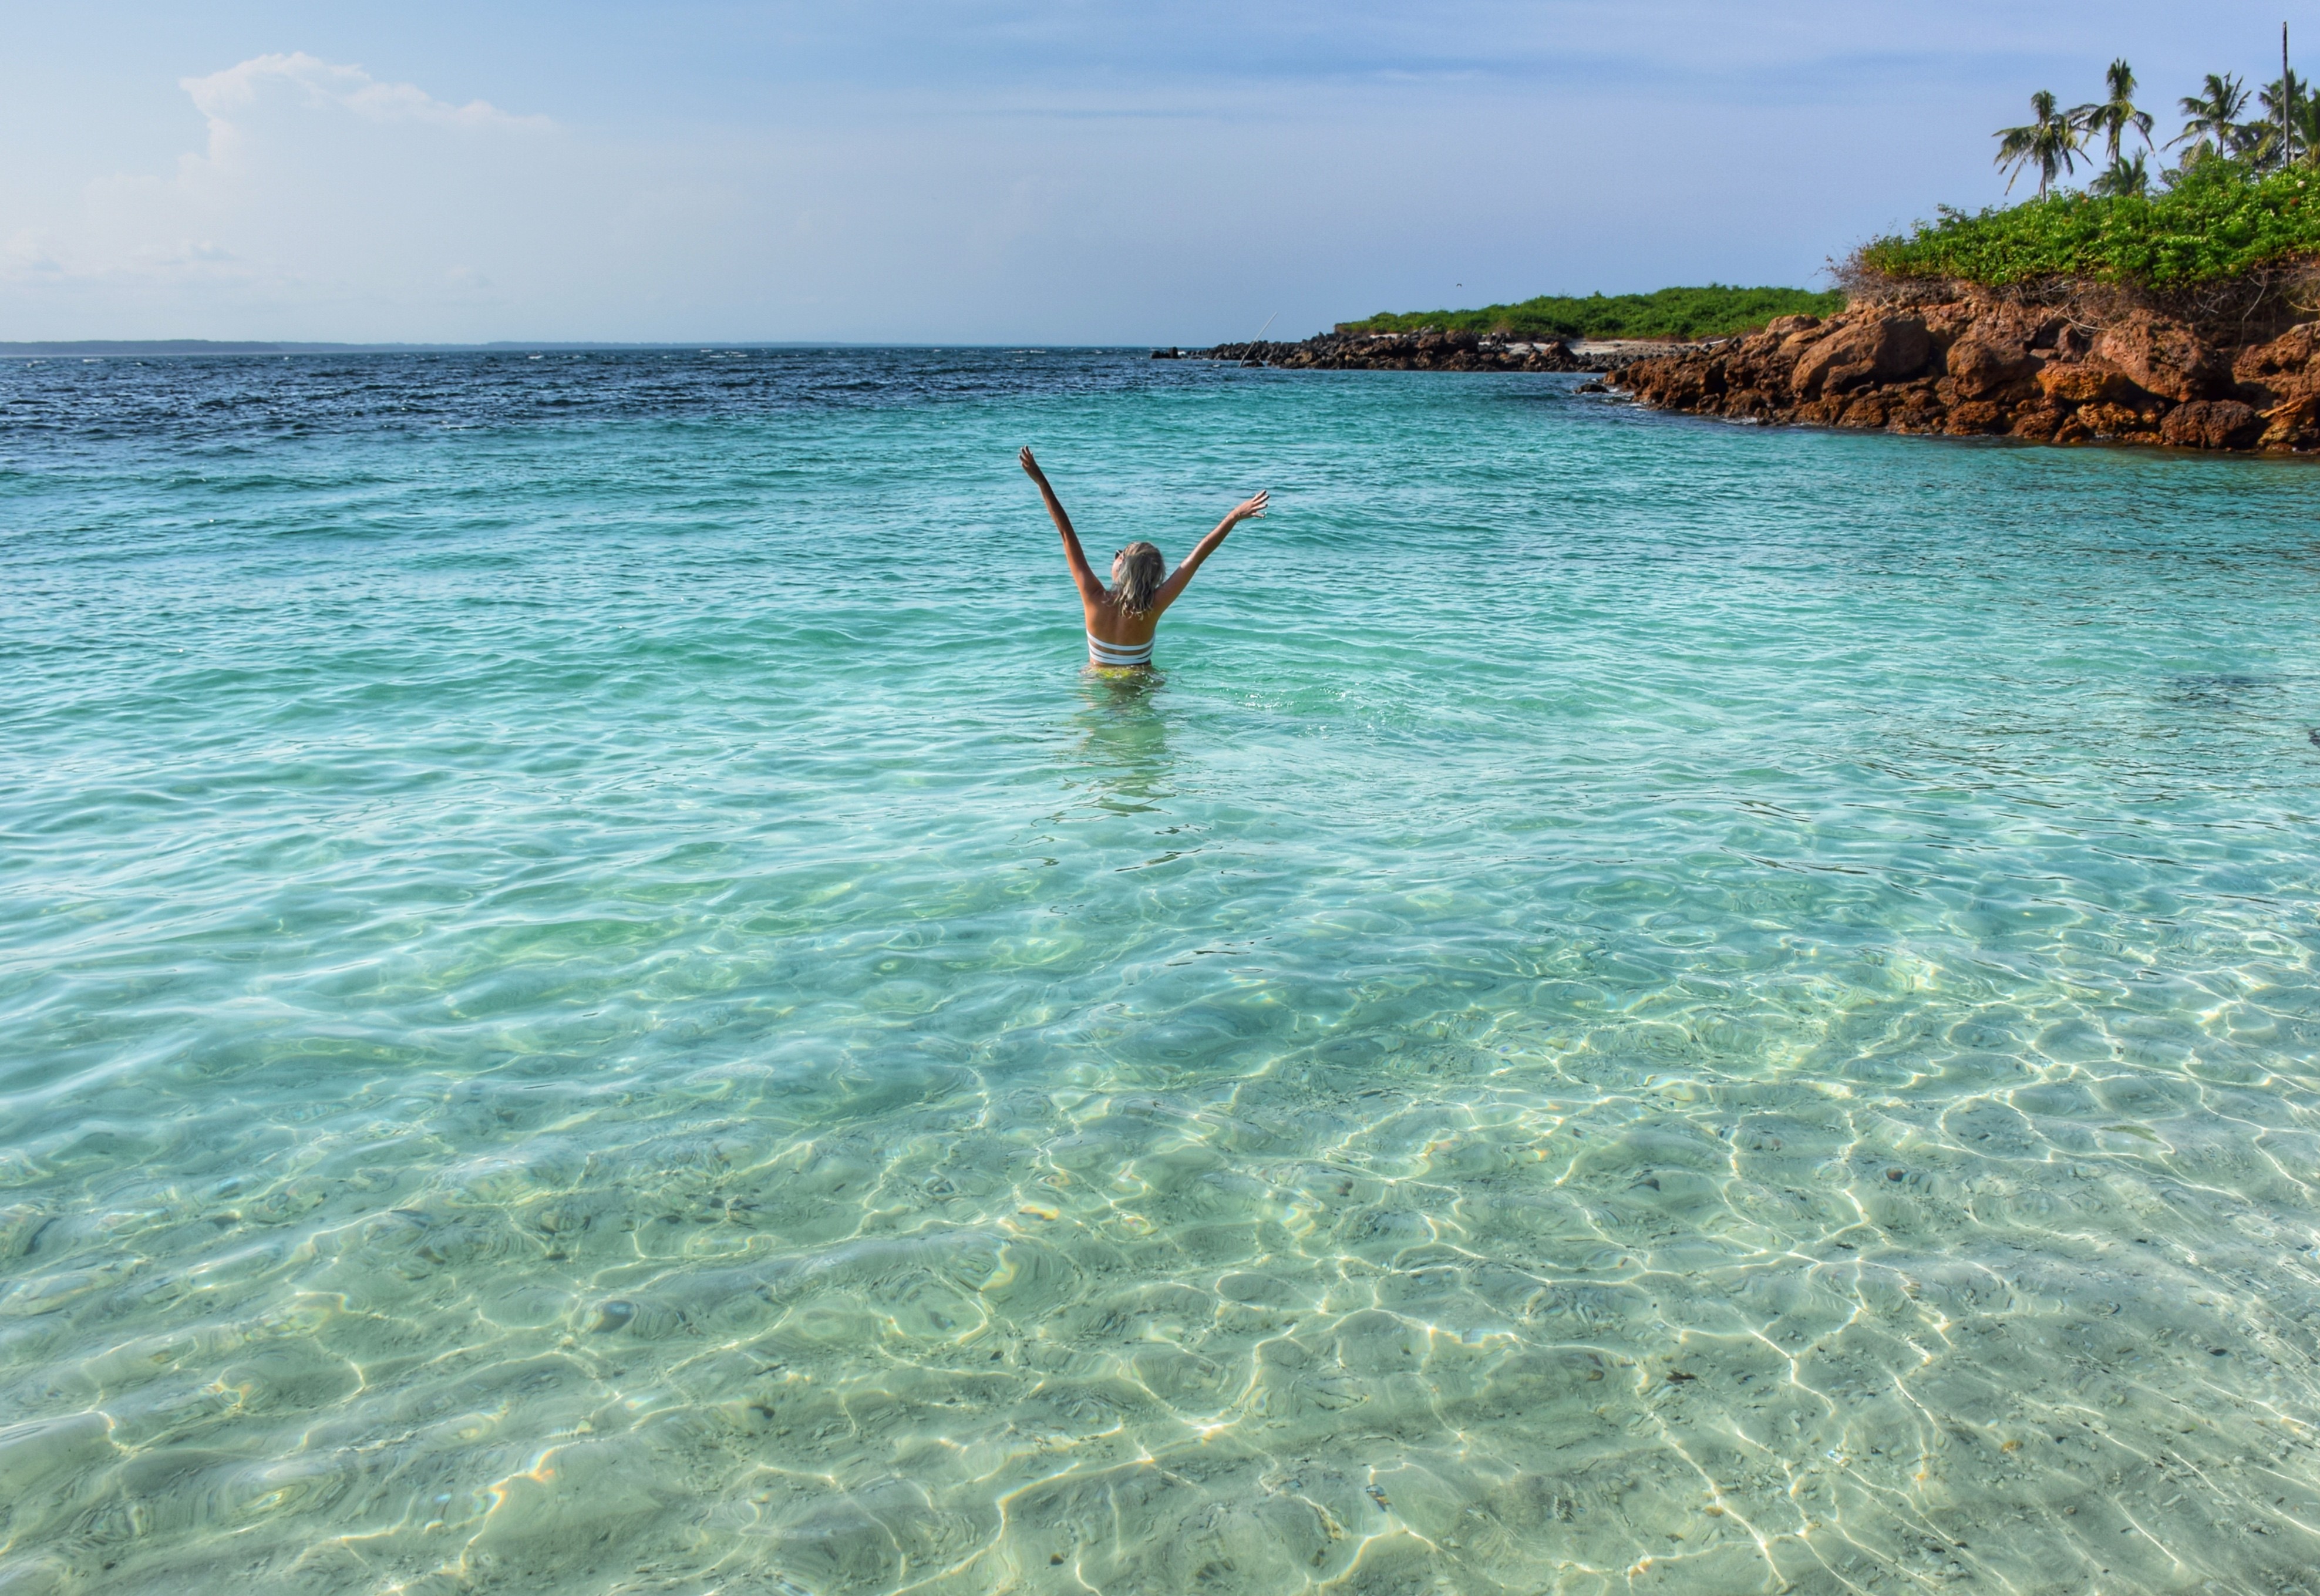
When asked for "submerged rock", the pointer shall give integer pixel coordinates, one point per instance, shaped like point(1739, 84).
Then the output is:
point(2064, 368)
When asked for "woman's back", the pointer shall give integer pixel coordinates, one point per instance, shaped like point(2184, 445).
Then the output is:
point(1122, 617)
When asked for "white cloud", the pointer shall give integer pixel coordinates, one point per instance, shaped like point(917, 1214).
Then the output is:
point(252, 93)
point(322, 84)
point(316, 184)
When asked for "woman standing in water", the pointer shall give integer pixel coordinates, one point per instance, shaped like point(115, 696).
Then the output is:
point(1122, 617)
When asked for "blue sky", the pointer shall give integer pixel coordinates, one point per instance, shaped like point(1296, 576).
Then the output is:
point(1039, 170)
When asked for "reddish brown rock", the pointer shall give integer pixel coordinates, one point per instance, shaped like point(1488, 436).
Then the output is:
point(1981, 364)
point(1869, 411)
point(2161, 357)
point(2114, 421)
point(1902, 347)
point(1836, 365)
point(1921, 410)
point(1977, 415)
point(2212, 424)
point(2292, 424)
point(1793, 347)
point(2039, 422)
point(2084, 384)
point(1689, 386)
point(1871, 349)
point(2285, 369)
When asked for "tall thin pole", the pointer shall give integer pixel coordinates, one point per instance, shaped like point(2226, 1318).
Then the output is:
point(2287, 94)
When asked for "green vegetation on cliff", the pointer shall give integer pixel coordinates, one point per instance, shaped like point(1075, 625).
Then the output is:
point(1711, 311)
point(2218, 220)
point(2244, 201)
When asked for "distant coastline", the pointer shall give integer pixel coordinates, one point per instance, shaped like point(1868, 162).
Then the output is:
point(1679, 315)
point(136, 348)
point(1595, 332)
point(207, 346)
point(1436, 348)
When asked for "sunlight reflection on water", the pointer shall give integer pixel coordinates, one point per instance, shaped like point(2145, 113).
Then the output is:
point(598, 1003)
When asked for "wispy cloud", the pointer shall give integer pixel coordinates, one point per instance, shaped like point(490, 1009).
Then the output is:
point(220, 96)
point(309, 168)
point(999, 169)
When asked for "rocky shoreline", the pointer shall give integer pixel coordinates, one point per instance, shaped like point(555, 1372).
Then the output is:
point(1431, 350)
point(2082, 366)
point(2068, 365)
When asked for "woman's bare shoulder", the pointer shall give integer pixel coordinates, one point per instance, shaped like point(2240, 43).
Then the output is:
point(1109, 623)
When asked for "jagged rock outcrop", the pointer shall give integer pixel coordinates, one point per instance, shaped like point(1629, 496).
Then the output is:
point(2065, 369)
point(1429, 350)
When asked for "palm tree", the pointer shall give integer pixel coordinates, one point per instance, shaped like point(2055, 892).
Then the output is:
point(2214, 116)
point(2278, 150)
point(2112, 117)
point(2300, 141)
point(2305, 117)
point(2050, 142)
point(2122, 177)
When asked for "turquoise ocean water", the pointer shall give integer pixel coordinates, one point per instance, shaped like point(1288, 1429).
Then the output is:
point(591, 1000)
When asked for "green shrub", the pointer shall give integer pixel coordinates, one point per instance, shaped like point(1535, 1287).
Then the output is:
point(1671, 313)
point(2217, 221)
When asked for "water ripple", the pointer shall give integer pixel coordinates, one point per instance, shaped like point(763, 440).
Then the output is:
point(595, 1003)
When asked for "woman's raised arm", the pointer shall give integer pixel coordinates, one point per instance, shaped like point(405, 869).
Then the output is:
point(1181, 576)
point(1075, 557)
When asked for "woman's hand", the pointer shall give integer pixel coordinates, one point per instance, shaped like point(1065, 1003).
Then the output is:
point(1030, 467)
point(1246, 510)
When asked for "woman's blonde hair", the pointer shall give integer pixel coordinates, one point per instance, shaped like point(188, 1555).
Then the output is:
point(1141, 572)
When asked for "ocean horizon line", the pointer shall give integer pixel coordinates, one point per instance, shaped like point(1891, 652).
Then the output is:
point(37, 349)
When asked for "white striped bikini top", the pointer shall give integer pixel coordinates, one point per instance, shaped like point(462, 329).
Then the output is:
point(1117, 654)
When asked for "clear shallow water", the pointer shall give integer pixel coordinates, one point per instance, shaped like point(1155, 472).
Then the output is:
point(593, 1001)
